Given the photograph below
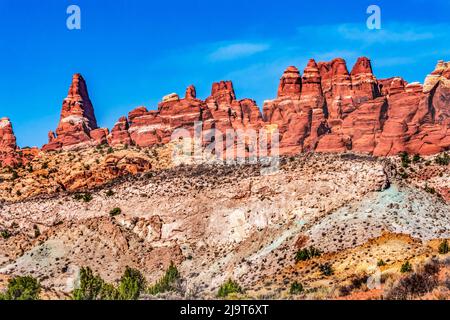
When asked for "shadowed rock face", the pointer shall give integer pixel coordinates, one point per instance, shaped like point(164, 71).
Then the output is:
point(327, 109)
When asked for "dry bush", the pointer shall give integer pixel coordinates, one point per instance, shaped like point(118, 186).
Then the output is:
point(416, 284)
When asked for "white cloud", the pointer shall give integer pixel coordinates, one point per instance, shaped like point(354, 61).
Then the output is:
point(237, 50)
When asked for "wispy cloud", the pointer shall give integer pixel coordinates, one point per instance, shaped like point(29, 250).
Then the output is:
point(233, 51)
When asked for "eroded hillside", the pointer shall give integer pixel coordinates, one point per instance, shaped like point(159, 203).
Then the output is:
point(217, 222)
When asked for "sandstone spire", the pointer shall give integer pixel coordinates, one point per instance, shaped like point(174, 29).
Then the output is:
point(290, 83)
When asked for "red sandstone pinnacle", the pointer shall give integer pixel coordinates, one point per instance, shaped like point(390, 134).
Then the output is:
point(222, 92)
point(364, 83)
point(77, 118)
point(311, 80)
point(8, 147)
point(191, 93)
point(290, 83)
point(7, 137)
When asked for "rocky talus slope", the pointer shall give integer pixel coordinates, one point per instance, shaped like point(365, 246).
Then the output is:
point(217, 222)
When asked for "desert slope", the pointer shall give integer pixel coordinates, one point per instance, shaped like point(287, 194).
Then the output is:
point(217, 222)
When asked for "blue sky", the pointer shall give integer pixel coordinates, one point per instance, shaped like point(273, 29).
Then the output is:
point(134, 52)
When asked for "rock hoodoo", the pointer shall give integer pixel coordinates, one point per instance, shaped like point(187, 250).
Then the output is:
point(77, 119)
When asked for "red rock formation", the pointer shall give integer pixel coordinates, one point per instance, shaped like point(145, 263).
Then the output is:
point(8, 147)
point(364, 83)
point(148, 128)
point(328, 109)
point(362, 114)
point(99, 136)
point(77, 118)
point(191, 93)
point(119, 134)
point(290, 83)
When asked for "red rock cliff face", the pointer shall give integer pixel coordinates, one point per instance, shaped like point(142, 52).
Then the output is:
point(325, 109)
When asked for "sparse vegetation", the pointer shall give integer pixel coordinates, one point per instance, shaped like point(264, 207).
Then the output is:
point(167, 282)
point(14, 175)
point(443, 159)
point(430, 189)
point(326, 269)
point(405, 159)
point(86, 196)
point(22, 288)
point(417, 158)
point(381, 263)
point(109, 193)
point(91, 287)
point(110, 150)
point(307, 254)
point(115, 212)
point(131, 284)
point(228, 288)
point(5, 234)
point(37, 232)
point(416, 284)
point(406, 267)
point(443, 247)
point(296, 288)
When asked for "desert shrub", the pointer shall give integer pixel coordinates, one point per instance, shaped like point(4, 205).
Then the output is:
point(417, 158)
point(415, 284)
point(443, 247)
point(86, 196)
point(326, 269)
point(37, 232)
point(15, 175)
point(22, 288)
point(405, 159)
point(406, 267)
point(5, 234)
point(443, 159)
point(306, 254)
point(109, 193)
point(381, 263)
point(430, 189)
point(296, 288)
point(167, 282)
point(90, 287)
point(108, 292)
point(229, 287)
point(115, 212)
point(110, 150)
point(93, 287)
point(131, 284)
